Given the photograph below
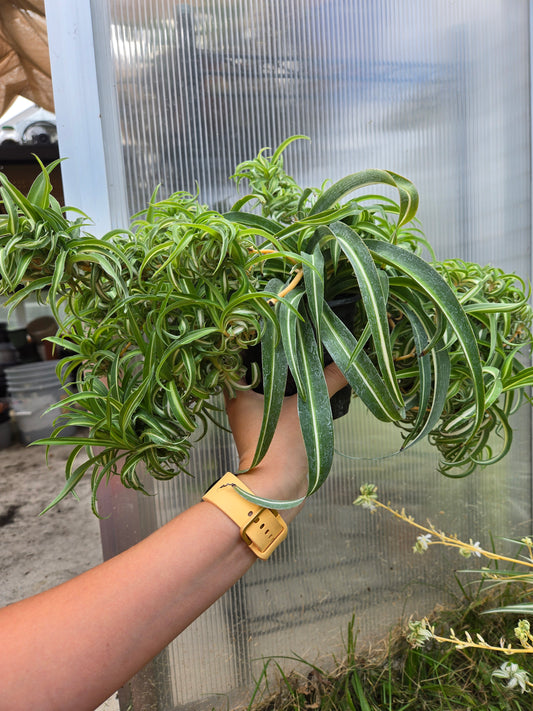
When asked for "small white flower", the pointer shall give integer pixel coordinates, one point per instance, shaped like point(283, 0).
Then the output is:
point(422, 543)
point(478, 548)
point(472, 549)
point(419, 633)
point(368, 497)
point(514, 675)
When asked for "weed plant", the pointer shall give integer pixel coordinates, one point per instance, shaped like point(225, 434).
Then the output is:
point(398, 676)
point(458, 658)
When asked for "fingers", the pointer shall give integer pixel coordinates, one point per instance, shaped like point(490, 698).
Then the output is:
point(334, 378)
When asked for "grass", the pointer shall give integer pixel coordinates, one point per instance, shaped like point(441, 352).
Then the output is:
point(400, 677)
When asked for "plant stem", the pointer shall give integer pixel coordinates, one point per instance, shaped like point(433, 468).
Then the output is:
point(297, 278)
point(451, 541)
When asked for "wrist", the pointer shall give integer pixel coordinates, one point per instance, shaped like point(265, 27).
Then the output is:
point(276, 486)
point(261, 528)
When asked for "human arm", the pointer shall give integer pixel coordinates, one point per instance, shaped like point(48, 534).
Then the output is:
point(73, 646)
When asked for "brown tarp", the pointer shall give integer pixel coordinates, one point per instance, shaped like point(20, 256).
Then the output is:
point(24, 58)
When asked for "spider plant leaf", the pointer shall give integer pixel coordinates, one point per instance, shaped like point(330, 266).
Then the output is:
point(58, 276)
point(494, 306)
point(495, 389)
point(445, 300)
point(525, 608)
point(402, 285)
point(104, 246)
point(505, 432)
point(256, 296)
point(41, 187)
point(150, 212)
point(523, 379)
point(424, 373)
point(73, 441)
point(279, 254)
point(371, 291)
point(241, 202)
point(178, 409)
point(335, 252)
point(274, 366)
point(189, 366)
point(270, 503)
point(265, 309)
point(10, 281)
point(104, 255)
point(250, 220)
point(361, 343)
point(73, 479)
point(303, 234)
point(370, 228)
point(445, 467)
point(20, 200)
point(314, 288)
point(360, 371)
point(314, 408)
point(306, 194)
point(53, 220)
point(131, 404)
point(66, 343)
point(283, 145)
point(18, 297)
point(74, 399)
point(159, 430)
point(12, 212)
point(287, 321)
point(195, 335)
point(407, 192)
point(21, 269)
point(161, 248)
point(434, 381)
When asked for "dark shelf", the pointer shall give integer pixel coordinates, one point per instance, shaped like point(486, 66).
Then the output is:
point(15, 153)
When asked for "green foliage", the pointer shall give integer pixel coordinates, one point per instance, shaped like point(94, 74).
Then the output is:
point(157, 318)
point(396, 676)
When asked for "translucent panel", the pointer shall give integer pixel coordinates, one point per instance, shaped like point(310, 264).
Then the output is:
point(434, 90)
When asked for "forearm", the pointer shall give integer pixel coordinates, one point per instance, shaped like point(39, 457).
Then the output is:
point(74, 645)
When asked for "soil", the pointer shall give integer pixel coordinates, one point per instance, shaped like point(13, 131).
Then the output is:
point(38, 552)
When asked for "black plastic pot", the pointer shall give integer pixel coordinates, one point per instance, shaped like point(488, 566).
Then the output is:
point(345, 309)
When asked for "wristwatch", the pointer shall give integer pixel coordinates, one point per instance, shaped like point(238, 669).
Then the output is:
point(262, 529)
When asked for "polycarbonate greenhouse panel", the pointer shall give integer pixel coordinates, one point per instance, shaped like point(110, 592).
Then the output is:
point(434, 90)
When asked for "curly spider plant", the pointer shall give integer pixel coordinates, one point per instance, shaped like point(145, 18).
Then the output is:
point(157, 318)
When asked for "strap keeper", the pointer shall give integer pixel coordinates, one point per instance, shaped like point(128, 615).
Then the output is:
point(261, 528)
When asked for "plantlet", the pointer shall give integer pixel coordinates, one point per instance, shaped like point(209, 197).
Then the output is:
point(160, 318)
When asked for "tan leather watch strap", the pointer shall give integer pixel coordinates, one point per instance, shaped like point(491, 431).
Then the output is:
point(262, 529)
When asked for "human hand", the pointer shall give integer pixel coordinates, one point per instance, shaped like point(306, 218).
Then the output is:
point(282, 473)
